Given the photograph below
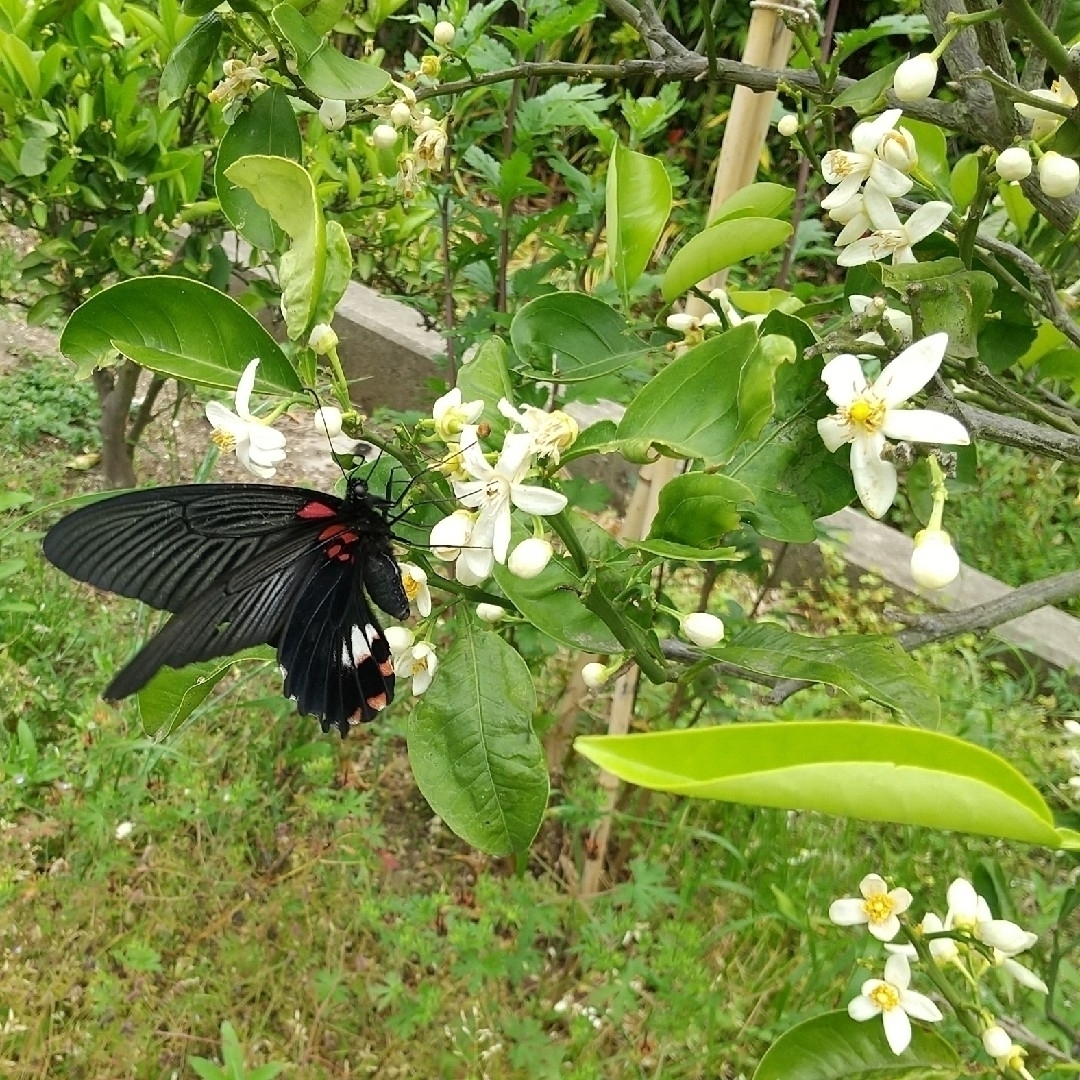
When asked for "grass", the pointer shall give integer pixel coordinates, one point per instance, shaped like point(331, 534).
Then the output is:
point(297, 888)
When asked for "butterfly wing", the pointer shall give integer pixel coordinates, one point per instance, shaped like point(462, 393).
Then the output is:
point(165, 546)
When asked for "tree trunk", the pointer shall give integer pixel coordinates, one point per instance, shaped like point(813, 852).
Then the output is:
point(116, 389)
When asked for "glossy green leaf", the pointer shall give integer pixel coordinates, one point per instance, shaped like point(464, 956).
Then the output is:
point(285, 190)
point(268, 128)
point(873, 772)
point(835, 1047)
point(755, 200)
point(868, 95)
point(322, 68)
point(188, 62)
point(638, 204)
point(33, 157)
point(859, 664)
point(932, 151)
point(562, 335)
point(964, 181)
point(472, 747)
point(706, 402)
point(685, 553)
point(720, 246)
point(699, 509)
point(1017, 205)
point(16, 54)
point(485, 378)
point(184, 325)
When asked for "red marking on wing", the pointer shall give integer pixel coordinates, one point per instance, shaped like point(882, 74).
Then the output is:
point(386, 668)
point(314, 510)
point(377, 702)
point(343, 538)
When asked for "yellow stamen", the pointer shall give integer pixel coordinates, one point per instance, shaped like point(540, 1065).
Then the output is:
point(224, 440)
point(885, 996)
point(878, 908)
point(867, 412)
point(412, 587)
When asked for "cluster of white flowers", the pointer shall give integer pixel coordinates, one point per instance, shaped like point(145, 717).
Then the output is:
point(695, 328)
point(1058, 175)
point(967, 922)
point(478, 536)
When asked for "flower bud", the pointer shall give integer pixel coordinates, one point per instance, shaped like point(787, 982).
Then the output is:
point(400, 114)
point(1013, 163)
point(450, 535)
point(399, 638)
point(1059, 176)
point(934, 562)
point(680, 322)
point(443, 33)
point(997, 1042)
point(787, 125)
point(322, 338)
point(1042, 122)
point(384, 136)
point(529, 558)
point(702, 629)
point(328, 421)
point(897, 148)
point(594, 675)
point(914, 79)
point(430, 66)
point(332, 114)
point(490, 613)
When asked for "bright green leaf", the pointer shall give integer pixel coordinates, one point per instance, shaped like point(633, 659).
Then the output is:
point(699, 509)
point(486, 378)
point(932, 151)
point(873, 772)
point(868, 95)
point(189, 60)
point(472, 747)
point(638, 204)
point(754, 200)
point(964, 181)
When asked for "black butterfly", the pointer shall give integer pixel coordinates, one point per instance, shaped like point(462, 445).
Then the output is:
point(251, 564)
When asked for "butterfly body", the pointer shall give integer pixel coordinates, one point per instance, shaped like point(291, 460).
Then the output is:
point(240, 565)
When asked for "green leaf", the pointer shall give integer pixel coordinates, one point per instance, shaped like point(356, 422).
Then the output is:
point(33, 157)
point(268, 128)
point(11, 567)
point(868, 95)
point(638, 204)
point(188, 326)
point(964, 181)
point(569, 336)
point(285, 189)
point(699, 509)
point(18, 56)
point(486, 378)
point(708, 401)
point(472, 747)
point(188, 62)
point(861, 665)
point(909, 26)
point(835, 1047)
point(322, 68)
point(932, 151)
point(720, 246)
point(873, 772)
point(754, 200)
point(668, 550)
point(1017, 205)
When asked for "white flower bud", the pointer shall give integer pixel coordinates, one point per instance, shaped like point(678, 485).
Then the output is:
point(702, 629)
point(400, 114)
point(997, 1042)
point(1059, 176)
point(594, 675)
point(450, 535)
point(1013, 163)
point(322, 338)
point(680, 322)
point(328, 421)
point(1042, 122)
point(914, 79)
point(934, 562)
point(332, 114)
point(384, 136)
point(443, 33)
point(787, 125)
point(529, 558)
point(490, 613)
point(399, 638)
point(897, 148)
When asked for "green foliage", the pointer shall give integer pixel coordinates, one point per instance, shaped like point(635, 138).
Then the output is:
point(39, 398)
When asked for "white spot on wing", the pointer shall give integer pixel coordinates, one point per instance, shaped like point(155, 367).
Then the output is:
point(360, 649)
point(346, 656)
point(371, 633)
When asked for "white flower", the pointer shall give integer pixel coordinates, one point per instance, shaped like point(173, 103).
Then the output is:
point(1013, 164)
point(1021, 974)
point(867, 415)
point(1059, 176)
point(400, 639)
point(852, 215)
point(490, 613)
point(332, 114)
point(934, 562)
point(891, 999)
point(848, 169)
point(891, 236)
point(594, 675)
point(970, 912)
point(418, 662)
point(492, 491)
point(914, 79)
point(451, 415)
point(878, 907)
point(942, 949)
point(400, 114)
point(702, 629)
point(682, 323)
point(997, 1042)
point(124, 830)
point(552, 432)
point(1072, 728)
point(443, 33)
point(414, 580)
point(328, 421)
point(322, 338)
point(430, 147)
point(898, 149)
point(258, 446)
point(1043, 122)
point(384, 136)
point(529, 558)
point(787, 125)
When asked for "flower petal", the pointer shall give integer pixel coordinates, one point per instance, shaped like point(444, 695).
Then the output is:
point(263, 472)
point(888, 179)
point(911, 370)
point(860, 252)
point(919, 1006)
point(886, 929)
point(537, 500)
point(873, 885)
point(1023, 976)
point(474, 565)
point(875, 479)
point(898, 971)
point(472, 455)
point(244, 388)
point(862, 1008)
point(844, 379)
point(848, 911)
point(225, 420)
point(514, 460)
point(834, 432)
point(924, 425)
point(897, 1030)
point(926, 220)
point(879, 209)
